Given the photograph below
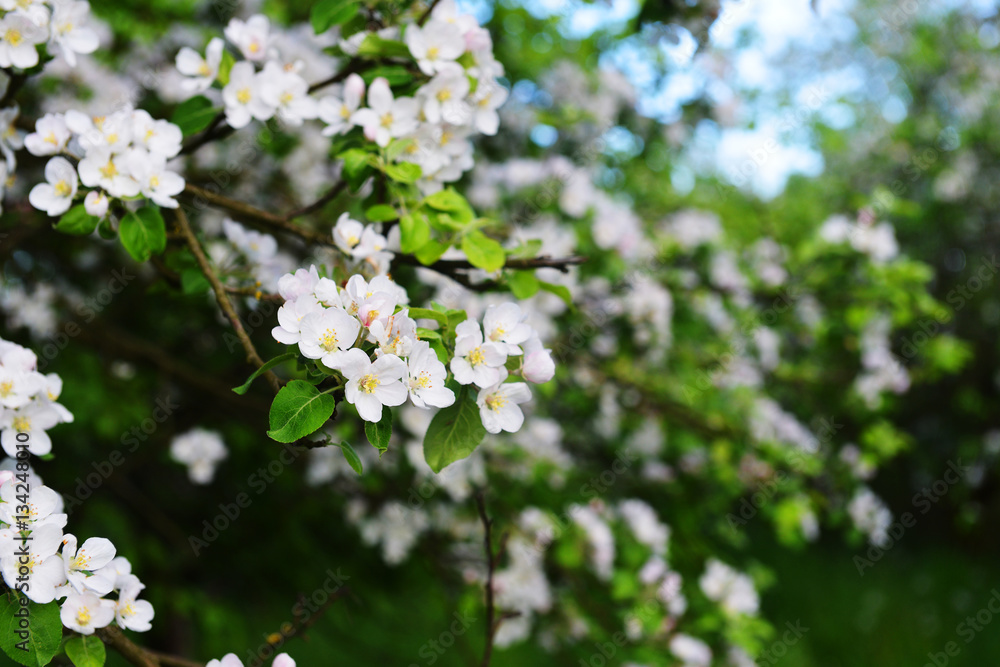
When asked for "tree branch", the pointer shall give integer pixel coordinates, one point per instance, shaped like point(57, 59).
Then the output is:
point(492, 623)
point(265, 219)
point(299, 626)
point(222, 297)
point(427, 13)
point(330, 195)
point(138, 656)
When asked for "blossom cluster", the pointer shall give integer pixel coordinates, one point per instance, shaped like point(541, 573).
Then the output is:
point(122, 155)
point(331, 325)
point(233, 660)
point(28, 401)
point(60, 23)
point(36, 557)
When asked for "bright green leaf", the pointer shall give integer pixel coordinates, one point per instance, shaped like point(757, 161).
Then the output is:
point(404, 172)
point(225, 67)
point(482, 251)
point(77, 221)
point(86, 651)
point(414, 232)
point(428, 314)
point(523, 284)
point(374, 46)
point(298, 410)
point(381, 213)
point(430, 252)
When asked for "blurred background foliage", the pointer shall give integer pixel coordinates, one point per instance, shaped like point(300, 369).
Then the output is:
point(932, 172)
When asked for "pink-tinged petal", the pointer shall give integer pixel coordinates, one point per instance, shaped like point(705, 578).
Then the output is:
point(380, 96)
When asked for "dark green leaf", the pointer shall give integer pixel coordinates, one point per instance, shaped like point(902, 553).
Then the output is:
point(268, 365)
point(454, 433)
point(298, 410)
point(328, 13)
point(559, 290)
point(379, 432)
point(40, 641)
point(143, 233)
point(352, 456)
point(193, 115)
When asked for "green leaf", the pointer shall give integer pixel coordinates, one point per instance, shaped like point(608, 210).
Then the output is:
point(193, 115)
point(430, 252)
point(523, 284)
point(328, 13)
point(527, 249)
point(374, 46)
point(143, 233)
point(451, 202)
point(404, 172)
point(225, 67)
point(268, 365)
point(560, 291)
point(428, 314)
point(397, 147)
point(428, 334)
point(379, 432)
point(40, 640)
point(298, 410)
point(357, 165)
point(482, 251)
point(454, 433)
point(193, 281)
point(352, 456)
point(86, 651)
point(414, 232)
point(396, 75)
point(77, 221)
point(381, 213)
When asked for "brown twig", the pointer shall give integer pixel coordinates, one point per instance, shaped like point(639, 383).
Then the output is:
point(492, 623)
point(427, 13)
point(222, 297)
point(281, 636)
point(330, 195)
point(252, 214)
point(139, 656)
point(209, 134)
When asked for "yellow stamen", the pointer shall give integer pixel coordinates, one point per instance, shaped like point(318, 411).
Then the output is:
point(243, 96)
point(22, 424)
point(368, 383)
point(476, 357)
point(62, 189)
point(329, 340)
point(496, 401)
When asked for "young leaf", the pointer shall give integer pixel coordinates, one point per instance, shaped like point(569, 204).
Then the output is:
point(430, 252)
point(193, 115)
point(482, 251)
point(376, 47)
point(404, 172)
point(225, 67)
point(454, 433)
point(143, 233)
point(396, 75)
point(523, 284)
point(298, 410)
point(86, 651)
point(414, 232)
point(328, 13)
point(428, 314)
point(77, 221)
point(352, 456)
point(381, 213)
point(451, 202)
point(268, 365)
point(379, 432)
point(36, 646)
point(560, 291)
